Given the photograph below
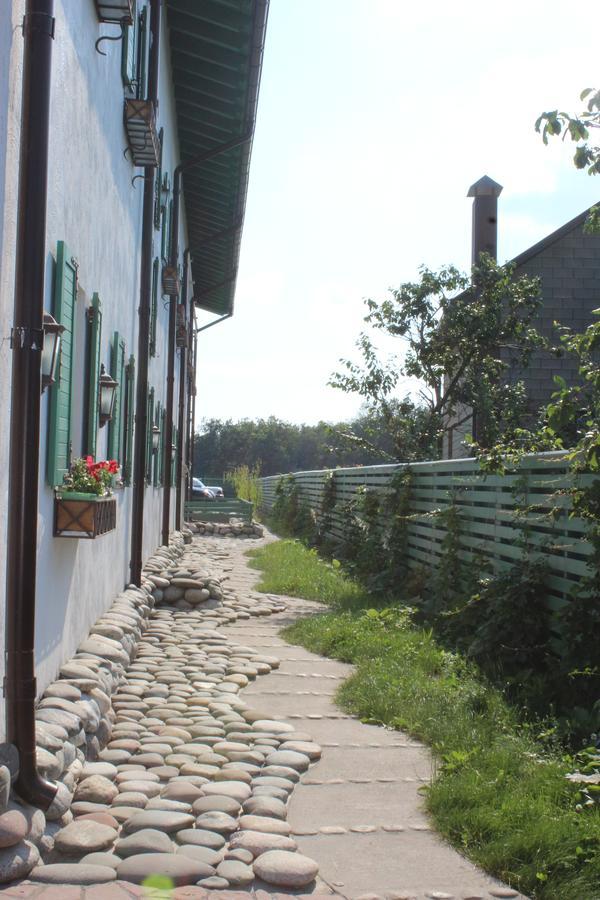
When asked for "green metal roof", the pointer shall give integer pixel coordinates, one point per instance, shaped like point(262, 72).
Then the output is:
point(216, 57)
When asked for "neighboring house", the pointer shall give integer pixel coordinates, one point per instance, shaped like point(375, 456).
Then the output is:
point(568, 265)
point(123, 268)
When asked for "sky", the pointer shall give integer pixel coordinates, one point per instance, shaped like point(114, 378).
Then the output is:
point(374, 118)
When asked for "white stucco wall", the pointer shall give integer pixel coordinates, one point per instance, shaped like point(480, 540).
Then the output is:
point(95, 209)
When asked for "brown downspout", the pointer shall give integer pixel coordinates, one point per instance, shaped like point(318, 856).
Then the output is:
point(192, 410)
point(141, 394)
point(181, 411)
point(26, 342)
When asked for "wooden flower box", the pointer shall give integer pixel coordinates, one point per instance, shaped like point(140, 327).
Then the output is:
point(83, 515)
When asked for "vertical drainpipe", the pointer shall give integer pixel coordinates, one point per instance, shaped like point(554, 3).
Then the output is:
point(141, 395)
point(26, 342)
point(191, 415)
point(181, 411)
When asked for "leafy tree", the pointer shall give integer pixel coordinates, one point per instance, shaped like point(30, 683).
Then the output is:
point(459, 335)
point(578, 127)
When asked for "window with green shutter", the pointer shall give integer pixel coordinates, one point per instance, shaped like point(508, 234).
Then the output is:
point(163, 234)
point(129, 418)
point(92, 380)
point(129, 52)
point(116, 432)
point(61, 393)
point(158, 181)
point(154, 306)
point(149, 424)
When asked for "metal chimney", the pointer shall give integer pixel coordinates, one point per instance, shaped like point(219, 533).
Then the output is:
point(485, 193)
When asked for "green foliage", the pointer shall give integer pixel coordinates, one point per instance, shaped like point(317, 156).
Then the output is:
point(459, 336)
point(246, 484)
point(290, 515)
point(500, 793)
point(578, 128)
point(290, 568)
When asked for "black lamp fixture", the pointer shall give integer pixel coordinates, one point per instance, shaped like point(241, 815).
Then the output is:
point(107, 393)
point(50, 350)
point(155, 438)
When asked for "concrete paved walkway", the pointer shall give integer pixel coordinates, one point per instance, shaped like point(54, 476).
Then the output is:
point(358, 811)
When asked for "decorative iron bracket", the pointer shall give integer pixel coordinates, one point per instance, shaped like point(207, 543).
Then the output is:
point(111, 37)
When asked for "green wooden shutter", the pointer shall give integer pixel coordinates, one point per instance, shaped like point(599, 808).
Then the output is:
point(61, 400)
point(158, 181)
point(149, 424)
point(154, 307)
point(117, 423)
point(93, 375)
point(142, 85)
point(163, 235)
point(128, 51)
point(129, 420)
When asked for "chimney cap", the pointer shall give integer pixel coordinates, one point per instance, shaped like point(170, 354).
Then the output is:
point(485, 187)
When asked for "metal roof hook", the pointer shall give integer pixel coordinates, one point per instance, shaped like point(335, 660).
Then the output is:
point(111, 37)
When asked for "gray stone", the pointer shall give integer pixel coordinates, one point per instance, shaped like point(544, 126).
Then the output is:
point(148, 840)
point(217, 821)
point(101, 859)
point(60, 804)
point(265, 806)
point(284, 869)
point(216, 804)
point(237, 873)
point(203, 854)
point(298, 761)
point(258, 842)
point(9, 758)
point(168, 822)
point(72, 873)
point(179, 868)
point(266, 824)
point(96, 789)
point(201, 838)
point(14, 828)
point(107, 770)
point(214, 883)
point(84, 836)
point(235, 789)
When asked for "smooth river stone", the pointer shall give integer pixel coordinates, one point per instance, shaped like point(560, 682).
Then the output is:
point(201, 838)
point(284, 869)
point(217, 821)
point(149, 788)
point(265, 806)
point(203, 854)
point(148, 840)
point(308, 748)
point(111, 860)
point(18, 861)
point(130, 798)
point(72, 873)
point(235, 789)
point(104, 818)
point(131, 774)
point(180, 869)
point(96, 789)
point(216, 804)
point(182, 791)
point(298, 761)
point(84, 836)
point(169, 805)
point(272, 726)
point(162, 820)
point(107, 770)
point(258, 842)
point(14, 828)
point(281, 772)
point(264, 823)
point(237, 873)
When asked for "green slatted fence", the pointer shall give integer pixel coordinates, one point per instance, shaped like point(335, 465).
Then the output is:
point(490, 508)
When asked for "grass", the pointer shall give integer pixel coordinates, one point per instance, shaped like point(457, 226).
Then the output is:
point(499, 795)
point(288, 567)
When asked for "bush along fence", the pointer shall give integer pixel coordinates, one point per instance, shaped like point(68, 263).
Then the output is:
point(500, 564)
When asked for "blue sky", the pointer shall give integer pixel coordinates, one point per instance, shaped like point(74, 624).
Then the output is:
point(375, 117)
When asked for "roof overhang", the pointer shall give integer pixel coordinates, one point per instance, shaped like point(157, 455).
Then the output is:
point(216, 57)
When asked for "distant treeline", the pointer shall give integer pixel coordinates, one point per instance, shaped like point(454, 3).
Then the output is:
point(278, 447)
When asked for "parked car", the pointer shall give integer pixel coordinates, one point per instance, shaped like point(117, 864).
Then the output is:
point(217, 491)
point(200, 491)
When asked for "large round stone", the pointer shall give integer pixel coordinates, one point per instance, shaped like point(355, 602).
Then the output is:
point(265, 823)
point(14, 828)
point(235, 789)
point(84, 836)
point(72, 873)
point(148, 840)
point(162, 820)
point(180, 869)
point(258, 842)
point(284, 869)
point(265, 806)
point(96, 789)
point(237, 873)
point(298, 761)
point(203, 854)
point(200, 838)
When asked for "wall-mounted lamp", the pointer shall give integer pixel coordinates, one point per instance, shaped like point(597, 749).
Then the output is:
point(51, 349)
point(155, 438)
point(107, 392)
